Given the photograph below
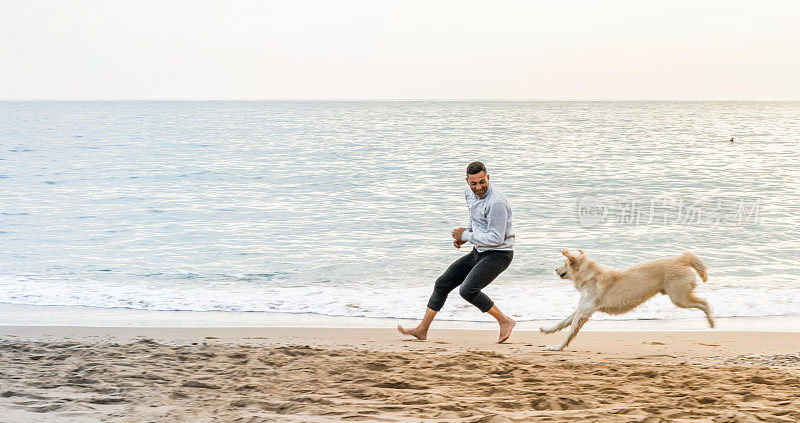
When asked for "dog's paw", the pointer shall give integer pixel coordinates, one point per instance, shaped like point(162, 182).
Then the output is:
point(555, 348)
point(546, 331)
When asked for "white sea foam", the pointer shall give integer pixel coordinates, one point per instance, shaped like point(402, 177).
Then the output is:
point(525, 302)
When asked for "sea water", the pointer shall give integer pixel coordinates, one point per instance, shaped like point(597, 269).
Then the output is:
point(346, 208)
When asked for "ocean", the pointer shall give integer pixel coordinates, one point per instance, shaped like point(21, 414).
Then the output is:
point(345, 208)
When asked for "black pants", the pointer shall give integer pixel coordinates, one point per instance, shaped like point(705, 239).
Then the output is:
point(473, 272)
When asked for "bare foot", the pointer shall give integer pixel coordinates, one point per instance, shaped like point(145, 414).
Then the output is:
point(416, 332)
point(505, 330)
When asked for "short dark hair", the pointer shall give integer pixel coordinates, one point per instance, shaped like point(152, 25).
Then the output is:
point(475, 167)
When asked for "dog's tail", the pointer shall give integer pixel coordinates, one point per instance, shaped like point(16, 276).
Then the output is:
point(696, 263)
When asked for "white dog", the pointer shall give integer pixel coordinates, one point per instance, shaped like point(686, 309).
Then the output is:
point(620, 291)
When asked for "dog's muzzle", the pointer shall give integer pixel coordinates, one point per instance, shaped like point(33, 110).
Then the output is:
point(561, 275)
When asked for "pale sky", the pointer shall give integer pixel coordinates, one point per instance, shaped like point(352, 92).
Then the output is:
point(400, 49)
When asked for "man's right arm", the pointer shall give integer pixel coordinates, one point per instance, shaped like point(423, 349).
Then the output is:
point(458, 242)
point(494, 235)
point(469, 214)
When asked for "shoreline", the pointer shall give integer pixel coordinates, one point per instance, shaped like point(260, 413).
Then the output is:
point(27, 315)
point(687, 344)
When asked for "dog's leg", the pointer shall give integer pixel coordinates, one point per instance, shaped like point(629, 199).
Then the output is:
point(703, 305)
point(561, 325)
point(684, 299)
point(582, 315)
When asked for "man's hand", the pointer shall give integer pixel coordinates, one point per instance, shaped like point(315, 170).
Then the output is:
point(457, 233)
point(458, 244)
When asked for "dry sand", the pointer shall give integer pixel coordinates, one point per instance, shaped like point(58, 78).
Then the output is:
point(306, 375)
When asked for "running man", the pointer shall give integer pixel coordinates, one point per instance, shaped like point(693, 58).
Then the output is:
point(489, 230)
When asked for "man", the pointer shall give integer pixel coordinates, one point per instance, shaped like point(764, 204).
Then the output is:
point(489, 230)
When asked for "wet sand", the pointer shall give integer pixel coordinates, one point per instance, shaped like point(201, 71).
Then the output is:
point(322, 374)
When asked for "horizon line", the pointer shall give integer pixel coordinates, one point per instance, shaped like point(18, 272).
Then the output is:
point(405, 99)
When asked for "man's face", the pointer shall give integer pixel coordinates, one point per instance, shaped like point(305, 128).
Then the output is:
point(478, 183)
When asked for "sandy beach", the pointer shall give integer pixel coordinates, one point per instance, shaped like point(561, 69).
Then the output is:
point(341, 374)
point(228, 211)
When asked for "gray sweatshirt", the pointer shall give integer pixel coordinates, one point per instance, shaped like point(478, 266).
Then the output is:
point(489, 225)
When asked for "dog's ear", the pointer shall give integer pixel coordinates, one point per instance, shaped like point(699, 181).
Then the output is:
point(571, 257)
point(581, 251)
